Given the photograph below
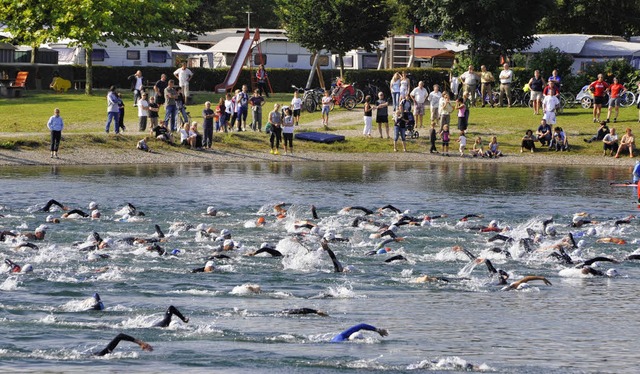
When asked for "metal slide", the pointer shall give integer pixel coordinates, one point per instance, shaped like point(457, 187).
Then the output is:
point(238, 62)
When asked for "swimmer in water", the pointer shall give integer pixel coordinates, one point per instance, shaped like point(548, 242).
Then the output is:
point(211, 211)
point(429, 278)
point(305, 311)
point(527, 279)
point(37, 234)
point(120, 337)
point(360, 208)
point(26, 245)
point(171, 311)
point(391, 208)
point(266, 248)
point(13, 267)
point(346, 334)
point(314, 212)
point(97, 303)
point(466, 217)
point(459, 249)
point(612, 240)
point(337, 266)
point(50, 203)
point(75, 212)
point(208, 268)
point(395, 258)
point(624, 221)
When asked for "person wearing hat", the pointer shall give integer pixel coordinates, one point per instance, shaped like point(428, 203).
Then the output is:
point(211, 211)
point(208, 268)
point(38, 233)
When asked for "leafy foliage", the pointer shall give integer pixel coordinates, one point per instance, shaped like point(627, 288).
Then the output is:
point(211, 15)
point(613, 17)
point(489, 26)
point(335, 25)
point(549, 59)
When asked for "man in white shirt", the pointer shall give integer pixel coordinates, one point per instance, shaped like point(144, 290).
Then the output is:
point(184, 75)
point(136, 86)
point(506, 78)
point(434, 103)
point(470, 79)
point(549, 104)
point(419, 96)
point(143, 112)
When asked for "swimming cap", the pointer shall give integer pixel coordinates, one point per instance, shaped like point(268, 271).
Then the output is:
point(28, 268)
point(49, 218)
point(329, 236)
point(209, 264)
point(93, 257)
point(612, 272)
point(493, 223)
point(95, 213)
point(267, 245)
point(592, 231)
point(393, 228)
point(96, 296)
point(175, 252)
point(315, 230)
point(211, 211)
point(551, 230)
point(201, 227)
point(93, 205)
point(581, 243)
point(225, 232)
point(41, 228)
point(228, 243)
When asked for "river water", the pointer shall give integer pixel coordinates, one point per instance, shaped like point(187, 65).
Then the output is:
point(581, 323)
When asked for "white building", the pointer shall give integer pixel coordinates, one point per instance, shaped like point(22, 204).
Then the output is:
point(588, 49)
point(113, 54)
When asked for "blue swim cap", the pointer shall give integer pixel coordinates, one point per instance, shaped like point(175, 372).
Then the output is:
point(175, 252)
point(96, 296)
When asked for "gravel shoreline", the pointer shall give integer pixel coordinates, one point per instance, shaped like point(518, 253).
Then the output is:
point(86, 156)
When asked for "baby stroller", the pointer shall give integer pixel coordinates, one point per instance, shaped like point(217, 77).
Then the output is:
point(410, 130)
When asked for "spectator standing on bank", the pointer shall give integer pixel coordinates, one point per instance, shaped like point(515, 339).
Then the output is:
point(170, 96)
point(506, 78)
point(55, 126)
point(120, 126)
point(470, 79)
point(136, 86)
point(419, 96)
point(153, 110)
point(261, 76)
point(143, 112)
point(434, 103)
point(112, 109)
point(184, 75)
point(159, 88)
point(615, 90)
point(207, 125)
point(599, 89)
point(256, 102)
point(536, 84)
point(486, 79)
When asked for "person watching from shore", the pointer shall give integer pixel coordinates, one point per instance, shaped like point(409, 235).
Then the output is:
point(275, 120)
point(143, 112)
point(161, 132)
point(602, 131)
point(153, 110)
point(560, 141)
point(476, 150)
point(544, 133)
point(493, 151)
point(528, 142)
point(628, 142)
point(55, 126)
point(610, 142)
point(186, 140)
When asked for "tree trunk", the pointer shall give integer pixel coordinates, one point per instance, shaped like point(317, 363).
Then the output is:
point(34, 53)
point(89, 70)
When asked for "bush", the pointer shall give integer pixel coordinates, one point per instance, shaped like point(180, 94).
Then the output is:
point(549, 59)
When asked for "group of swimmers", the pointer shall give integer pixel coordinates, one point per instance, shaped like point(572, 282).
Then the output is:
point(382, 223)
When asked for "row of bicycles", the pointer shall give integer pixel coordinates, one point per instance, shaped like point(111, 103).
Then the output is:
point(347, 96)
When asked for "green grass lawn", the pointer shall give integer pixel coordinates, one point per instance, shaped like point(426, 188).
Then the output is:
point(24, 124)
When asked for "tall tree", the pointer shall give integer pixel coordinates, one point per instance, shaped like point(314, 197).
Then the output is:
point(488, 26)
point(336, 25)
point(28, 21)
point(613, 17)
point(211, 15)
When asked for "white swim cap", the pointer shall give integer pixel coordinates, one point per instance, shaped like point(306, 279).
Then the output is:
point(228, 243)
point(315, 230)
point(592, 231)
point(209, 264)
point(329, 236)
point(349, 268)
point(581, 243)
point(551, 230)
point(408, 211)
point(28, 268)
point(201, 227)
point(211, 210)
point(108, 242)
point(267, 245)
point(393, 228)
point(42, 228)
point(93, 205)
point(95, 213)
point(93, 257)
point(612, 272)
point(225, 232)
point(49, 218)
point(493, 223)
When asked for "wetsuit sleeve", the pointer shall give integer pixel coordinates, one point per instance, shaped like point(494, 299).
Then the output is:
point(352, 330)
point(78, 212)
point(114, 343)
point(271, 251)
point(314, 213)
point(365, 210)
point(492, 270)
point(337, 266)
point(159, 232)
point(50, 203)
point(391, 207)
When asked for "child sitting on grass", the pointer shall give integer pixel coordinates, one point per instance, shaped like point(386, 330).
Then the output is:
point(142, 145)
point(477, 148)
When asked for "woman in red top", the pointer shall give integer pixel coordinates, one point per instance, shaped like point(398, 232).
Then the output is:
point(615, 90)
point(599, 89)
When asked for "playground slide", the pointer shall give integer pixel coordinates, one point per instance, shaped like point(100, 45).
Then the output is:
point(236, 66)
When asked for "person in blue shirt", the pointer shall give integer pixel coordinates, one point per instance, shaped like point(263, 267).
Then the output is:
point(55, 125)
point(636, 172)
point(341, 337)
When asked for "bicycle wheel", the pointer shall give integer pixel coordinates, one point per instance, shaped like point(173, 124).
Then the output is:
point(310, 104)
point(569, 101)
point(627, 98)
point(586, 102)
point(563, 103)
point(349, 102)
point(359, 96)
point(526, 100)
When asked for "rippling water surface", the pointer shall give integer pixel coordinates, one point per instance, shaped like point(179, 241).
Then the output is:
point(579, 324)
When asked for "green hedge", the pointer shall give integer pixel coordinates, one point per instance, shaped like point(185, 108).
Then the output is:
point(206, 79)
